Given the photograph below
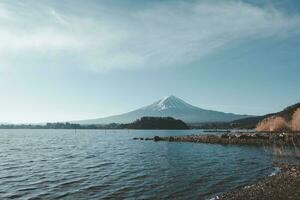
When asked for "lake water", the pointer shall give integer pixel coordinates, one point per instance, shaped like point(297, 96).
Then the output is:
point(98, 164)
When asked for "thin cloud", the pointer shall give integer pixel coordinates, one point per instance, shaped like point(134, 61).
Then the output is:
point(161, 35)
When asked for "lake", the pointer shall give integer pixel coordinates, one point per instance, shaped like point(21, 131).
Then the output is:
point(99, 164)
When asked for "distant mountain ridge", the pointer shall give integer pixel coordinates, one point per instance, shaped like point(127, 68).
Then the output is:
point(170, 106)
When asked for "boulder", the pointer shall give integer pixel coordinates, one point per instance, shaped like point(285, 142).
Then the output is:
point(156, 138)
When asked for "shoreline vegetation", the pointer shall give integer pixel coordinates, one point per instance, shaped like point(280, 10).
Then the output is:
point(161, 123)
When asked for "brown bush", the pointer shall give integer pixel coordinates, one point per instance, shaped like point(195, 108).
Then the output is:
point(295, 123)
point(272, 124)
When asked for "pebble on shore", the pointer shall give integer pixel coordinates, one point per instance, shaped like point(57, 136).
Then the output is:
point(282, 186)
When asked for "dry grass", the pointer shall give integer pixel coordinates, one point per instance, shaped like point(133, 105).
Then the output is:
point(272, 124)
point(295, 123)
point(276, 123)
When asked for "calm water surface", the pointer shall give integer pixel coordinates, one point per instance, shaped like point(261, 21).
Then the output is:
point(97, 164)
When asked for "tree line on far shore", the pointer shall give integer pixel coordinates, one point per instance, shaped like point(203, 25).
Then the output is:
point(143, 123)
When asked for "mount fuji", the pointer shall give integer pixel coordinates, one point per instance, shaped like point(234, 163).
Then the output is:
point(170, 106)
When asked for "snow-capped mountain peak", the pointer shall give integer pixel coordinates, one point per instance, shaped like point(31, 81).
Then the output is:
point(170, 102)
point(170, 106)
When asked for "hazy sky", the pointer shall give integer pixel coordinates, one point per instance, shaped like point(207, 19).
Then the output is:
point(72, 59)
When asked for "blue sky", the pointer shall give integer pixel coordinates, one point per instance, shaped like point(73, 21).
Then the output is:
point(70, 60)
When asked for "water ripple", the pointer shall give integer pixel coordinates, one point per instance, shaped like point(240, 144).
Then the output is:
point(58, 164)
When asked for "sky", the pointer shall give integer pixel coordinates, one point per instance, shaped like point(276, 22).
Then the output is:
point(66, 60)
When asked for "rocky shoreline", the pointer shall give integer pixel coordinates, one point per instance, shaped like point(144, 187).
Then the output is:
point(282, 186)
point(253, 138)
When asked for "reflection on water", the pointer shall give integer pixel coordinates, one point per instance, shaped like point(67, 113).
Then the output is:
point(93, 164)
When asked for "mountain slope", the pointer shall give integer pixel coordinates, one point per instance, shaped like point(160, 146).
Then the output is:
point(170, 106)
point(251, 122)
